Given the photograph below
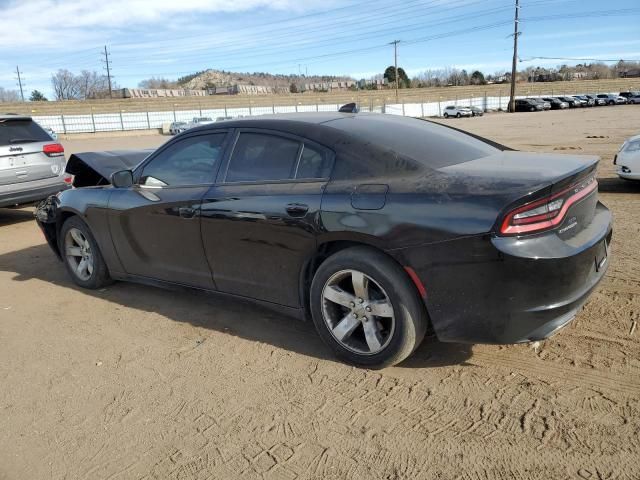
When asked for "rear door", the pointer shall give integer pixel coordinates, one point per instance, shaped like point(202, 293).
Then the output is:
point(260, 220)
point(22, 157)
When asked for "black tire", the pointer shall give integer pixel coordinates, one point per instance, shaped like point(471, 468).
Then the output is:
point(446, 115)
point(99, 277)
point(409, 313)
point(458, 115)
point(611, 102)
point(532, 109)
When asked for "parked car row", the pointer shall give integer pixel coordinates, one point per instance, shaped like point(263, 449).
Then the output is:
point(575, 101)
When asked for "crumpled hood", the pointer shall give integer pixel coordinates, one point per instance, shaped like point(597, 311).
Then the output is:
point(95, 168)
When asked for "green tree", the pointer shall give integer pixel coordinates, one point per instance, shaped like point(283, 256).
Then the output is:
point(37, 96)
point(293, 88)
point(477, 78)
point(390, 75)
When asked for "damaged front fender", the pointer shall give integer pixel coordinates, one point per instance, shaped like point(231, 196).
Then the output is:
point(47, 217)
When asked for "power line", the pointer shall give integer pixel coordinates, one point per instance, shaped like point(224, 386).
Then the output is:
point(309, 35)
point(580, 59)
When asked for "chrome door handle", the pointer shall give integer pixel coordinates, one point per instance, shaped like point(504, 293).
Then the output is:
point(297, 209)
point(186, 212)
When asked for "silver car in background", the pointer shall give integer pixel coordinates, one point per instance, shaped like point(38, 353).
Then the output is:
point(31, 163)
point(178, 127)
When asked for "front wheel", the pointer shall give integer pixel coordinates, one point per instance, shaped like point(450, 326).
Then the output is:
point(458, 115)
point(366, 309)
point(446, 115)
point(81, 255)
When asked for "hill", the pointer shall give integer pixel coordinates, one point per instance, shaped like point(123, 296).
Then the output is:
point(220, 78)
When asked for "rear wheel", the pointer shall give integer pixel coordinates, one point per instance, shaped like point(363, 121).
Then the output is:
point(446, 115)
point(81, 255)
point(366, 309)
point(532, 109)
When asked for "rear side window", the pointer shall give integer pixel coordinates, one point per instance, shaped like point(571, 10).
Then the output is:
point(263, 157)
point(427, 143)
point(314, 163)
point(13, 132)
point(190, 161)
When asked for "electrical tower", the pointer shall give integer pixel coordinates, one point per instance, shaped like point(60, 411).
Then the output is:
point(20, 84)
point(107, 63)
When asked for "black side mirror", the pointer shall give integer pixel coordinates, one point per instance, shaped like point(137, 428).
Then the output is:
point(349, 108)
point(122, 179)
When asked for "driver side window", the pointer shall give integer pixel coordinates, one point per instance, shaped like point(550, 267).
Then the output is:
point(191, 161)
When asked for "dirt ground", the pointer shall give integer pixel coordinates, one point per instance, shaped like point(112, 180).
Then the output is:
point(137, 382)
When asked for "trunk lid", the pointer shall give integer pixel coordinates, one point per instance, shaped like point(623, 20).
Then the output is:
point(519, 178)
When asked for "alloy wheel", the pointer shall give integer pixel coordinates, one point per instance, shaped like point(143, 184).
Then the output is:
point(77, 250)
point(358, 312)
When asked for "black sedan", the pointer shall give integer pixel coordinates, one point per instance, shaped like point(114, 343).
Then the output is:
point(377, 227)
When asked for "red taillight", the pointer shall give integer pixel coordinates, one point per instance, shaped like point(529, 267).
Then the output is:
point(53, 150)
point(547, 212)
point(68, 179)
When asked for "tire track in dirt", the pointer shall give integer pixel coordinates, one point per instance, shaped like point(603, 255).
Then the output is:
point(626, 384)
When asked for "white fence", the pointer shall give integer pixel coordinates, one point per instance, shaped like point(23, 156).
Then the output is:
point(106, 122)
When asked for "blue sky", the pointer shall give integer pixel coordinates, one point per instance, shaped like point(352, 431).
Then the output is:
point(170, 38)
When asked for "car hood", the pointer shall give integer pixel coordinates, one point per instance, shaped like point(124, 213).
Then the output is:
point(95, 168)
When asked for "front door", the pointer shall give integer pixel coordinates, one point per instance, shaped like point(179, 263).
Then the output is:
point(155, 225)
point(260, 221)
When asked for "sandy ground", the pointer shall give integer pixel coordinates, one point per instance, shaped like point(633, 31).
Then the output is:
point(137, 382)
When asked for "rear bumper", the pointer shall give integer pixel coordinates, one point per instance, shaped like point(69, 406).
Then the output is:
point(501, 290)
point(30, 195)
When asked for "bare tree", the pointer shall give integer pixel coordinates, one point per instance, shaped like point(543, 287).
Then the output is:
point(68, 86)
point(9, 95)
point(91, 85)
point(65, 85)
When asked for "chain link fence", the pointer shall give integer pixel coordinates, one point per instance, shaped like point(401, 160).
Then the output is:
point(125, 121)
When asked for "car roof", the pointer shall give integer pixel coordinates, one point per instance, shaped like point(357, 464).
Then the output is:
point(13, 116)
point(360, 132)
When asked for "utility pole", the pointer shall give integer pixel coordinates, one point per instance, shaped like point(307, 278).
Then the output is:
point(395, 63)
point(107, 63)
point(512, 98)
point(20, 83)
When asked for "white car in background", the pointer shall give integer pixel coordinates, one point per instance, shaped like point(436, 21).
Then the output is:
point(197, 121)
point(627, 160)
point(454, 111)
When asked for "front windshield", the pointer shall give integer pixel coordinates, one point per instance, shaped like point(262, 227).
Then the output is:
point(632, 146)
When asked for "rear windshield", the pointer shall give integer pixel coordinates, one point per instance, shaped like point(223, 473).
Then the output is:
point(428, 143)
point(13, 132)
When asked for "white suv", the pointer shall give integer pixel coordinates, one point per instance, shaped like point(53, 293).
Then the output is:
point(453, 111)
point(31, 162)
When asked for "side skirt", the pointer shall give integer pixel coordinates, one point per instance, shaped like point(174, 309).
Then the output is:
point(297, 313)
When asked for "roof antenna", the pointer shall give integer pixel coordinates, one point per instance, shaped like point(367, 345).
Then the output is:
point(349, 108)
